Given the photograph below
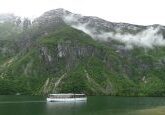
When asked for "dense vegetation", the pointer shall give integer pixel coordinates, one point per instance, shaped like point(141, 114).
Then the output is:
point(37, 60)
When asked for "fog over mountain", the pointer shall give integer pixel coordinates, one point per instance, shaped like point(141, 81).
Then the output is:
point(148, 38)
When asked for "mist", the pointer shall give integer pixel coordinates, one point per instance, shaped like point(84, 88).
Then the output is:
point(147, 38)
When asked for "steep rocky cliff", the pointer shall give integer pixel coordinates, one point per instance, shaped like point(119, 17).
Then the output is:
point(66, 52)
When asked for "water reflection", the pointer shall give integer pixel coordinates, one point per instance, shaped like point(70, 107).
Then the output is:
point(152, 111)
point(64, 108)
point(95, 105)
point(56, 105)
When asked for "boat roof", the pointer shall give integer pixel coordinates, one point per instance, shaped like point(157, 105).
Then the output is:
point(66, 94)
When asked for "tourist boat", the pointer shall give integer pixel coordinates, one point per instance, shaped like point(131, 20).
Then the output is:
point(66, 97)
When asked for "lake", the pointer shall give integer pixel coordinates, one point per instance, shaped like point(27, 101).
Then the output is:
point(95, 105)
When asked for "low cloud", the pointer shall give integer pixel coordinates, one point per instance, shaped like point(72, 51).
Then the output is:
point(147, 38)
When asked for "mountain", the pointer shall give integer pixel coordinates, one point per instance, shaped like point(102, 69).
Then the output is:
point(61, 52)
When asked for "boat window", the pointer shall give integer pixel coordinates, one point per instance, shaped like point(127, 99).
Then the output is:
point(67, 96)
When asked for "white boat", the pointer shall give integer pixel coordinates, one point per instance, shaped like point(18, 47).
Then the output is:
point(66, 97)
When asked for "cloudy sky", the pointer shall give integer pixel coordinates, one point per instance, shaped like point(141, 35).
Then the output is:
point(144, 12)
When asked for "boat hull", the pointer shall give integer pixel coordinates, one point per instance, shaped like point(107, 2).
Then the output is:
point(65, 99)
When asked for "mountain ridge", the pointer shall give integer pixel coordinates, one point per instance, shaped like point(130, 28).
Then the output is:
point(103, 30)
point(53, 55)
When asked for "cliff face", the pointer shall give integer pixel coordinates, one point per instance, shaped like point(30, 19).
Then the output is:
point(65, 52)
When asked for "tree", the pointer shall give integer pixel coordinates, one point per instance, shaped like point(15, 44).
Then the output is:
point(18, 21)
point(26, 24)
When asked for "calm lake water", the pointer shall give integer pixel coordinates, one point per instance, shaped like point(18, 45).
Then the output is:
point(95, 105)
